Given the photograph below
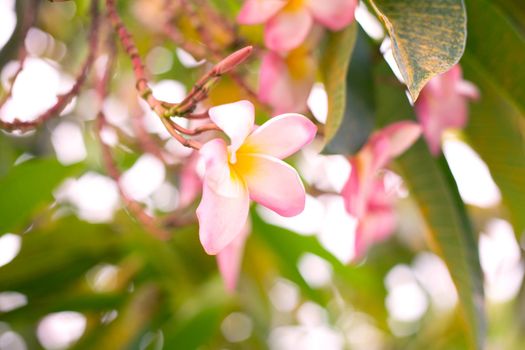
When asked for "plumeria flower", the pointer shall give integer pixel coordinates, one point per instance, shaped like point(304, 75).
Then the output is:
point(288, 22)
point(378, 222)
point(443, 104)
point(230, 258)
point(286, 79)
point(251, 167)
point(364, 193)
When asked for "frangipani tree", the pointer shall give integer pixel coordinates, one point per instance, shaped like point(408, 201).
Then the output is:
point(261, 173)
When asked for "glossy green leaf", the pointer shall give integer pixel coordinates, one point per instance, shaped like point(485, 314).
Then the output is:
point(496, 50)
point(334, 67)
point(359, 114)
point(26, 187)
point(428, 37)
point(432, 186)
point(496, 132)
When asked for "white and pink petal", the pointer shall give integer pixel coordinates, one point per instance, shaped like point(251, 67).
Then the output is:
point(288, 29)
point(273, 183)
point(229, 259)
point(281, 136)
point(221, 219)
point(236, 120)
point(259, 11)
point(333, 14)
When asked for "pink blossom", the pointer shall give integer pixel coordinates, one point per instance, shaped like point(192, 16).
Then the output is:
point(286, 80)
point(249, 168)
point(378, 222)
point(229, 259)
point(288, 22)
point(364, 192)
point(443, 104)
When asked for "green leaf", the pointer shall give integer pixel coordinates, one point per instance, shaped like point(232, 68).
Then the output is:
point(334, 67)
point(199, 318)
point(57, 255)
point(362, 284)
point(26, 187)
point(132, 321)
point(8, 155)
point(359, 114)
point(495, 132)
point(496, 50)
point(432, 186)
point(428, 37)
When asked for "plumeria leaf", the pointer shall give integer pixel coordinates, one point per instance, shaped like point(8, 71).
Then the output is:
point(359, 112)
point(27, 186)
point(334, 67)
point(289, 247)
point(199, 317)
point(52, 256)
point(450, 231)
point(488, 47)
point(496, 132)
point(428, 37)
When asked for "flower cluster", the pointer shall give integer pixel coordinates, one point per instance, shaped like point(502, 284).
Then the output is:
point(364, 192)
point(250, 168)
point(291, 32)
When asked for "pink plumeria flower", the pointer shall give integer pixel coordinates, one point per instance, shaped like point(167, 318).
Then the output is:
point(249, 168)
point(364, 191)
point(230, 258)
point(288, 22)
point(379, 221)
point(286, 80)
point(443, 104)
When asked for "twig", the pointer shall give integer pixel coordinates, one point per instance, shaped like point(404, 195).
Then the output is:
point(215, 54)
point(64, 99)
point(146, 141)
point(134, 207)
point(199, 92)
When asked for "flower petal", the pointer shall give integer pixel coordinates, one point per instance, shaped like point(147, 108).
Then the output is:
point(221, 219)
point(393, 140)
point(235, 119)
point(230, 258)
point(287, 29)
point(218, 174)
point(375, 227)
point(272, 183)
point(223, 209)
point(281, 136)
point(259, 11)
point(442, 104)
point(357, 188)
point(277, 87)
point(333, 14)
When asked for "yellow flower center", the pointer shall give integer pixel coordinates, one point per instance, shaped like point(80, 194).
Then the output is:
point(243, 165)
point(299, 63)
point(293, 5)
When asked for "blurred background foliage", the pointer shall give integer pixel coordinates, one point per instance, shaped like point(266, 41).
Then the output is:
point(68, 282)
